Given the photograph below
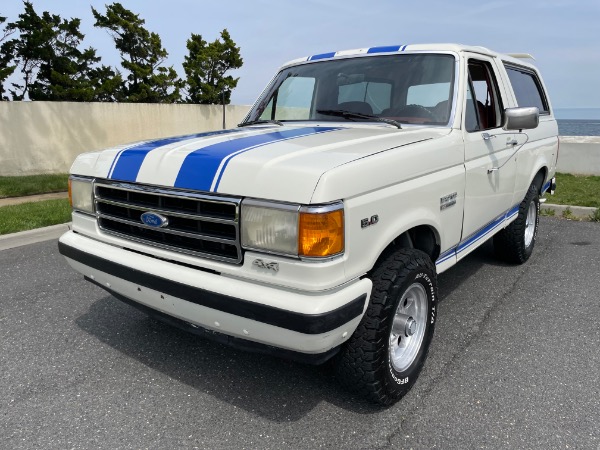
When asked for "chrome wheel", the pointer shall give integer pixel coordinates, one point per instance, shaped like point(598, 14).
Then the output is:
point(408, 327)
point(530, 222)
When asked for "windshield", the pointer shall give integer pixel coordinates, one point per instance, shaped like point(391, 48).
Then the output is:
point(407, 88)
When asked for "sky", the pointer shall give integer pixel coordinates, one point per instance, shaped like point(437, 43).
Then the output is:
point(562, 35)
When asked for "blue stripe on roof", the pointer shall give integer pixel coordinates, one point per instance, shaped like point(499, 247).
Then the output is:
point(384, 49)
point(322, 56)
point(206, 166)
point(128, 162)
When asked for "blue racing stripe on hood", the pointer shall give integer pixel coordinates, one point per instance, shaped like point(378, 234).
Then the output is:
point(202, 169)
point(128, 162)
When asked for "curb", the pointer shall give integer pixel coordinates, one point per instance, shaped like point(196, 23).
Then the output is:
point(21, 238)
point(9, 201)
point(577, 212)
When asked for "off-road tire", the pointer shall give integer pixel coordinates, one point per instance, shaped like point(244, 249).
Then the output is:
point(511, 244)
point(364, 365)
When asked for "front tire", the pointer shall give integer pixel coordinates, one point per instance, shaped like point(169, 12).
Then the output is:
point(382, 359)
point(515, 243)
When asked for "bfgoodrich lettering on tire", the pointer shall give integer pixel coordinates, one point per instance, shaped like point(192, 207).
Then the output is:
point(515, 243)
point(384, 356)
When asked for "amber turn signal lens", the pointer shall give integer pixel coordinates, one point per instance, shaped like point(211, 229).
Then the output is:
point(321, 234)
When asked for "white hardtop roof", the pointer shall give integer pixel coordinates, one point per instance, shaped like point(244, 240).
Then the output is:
point(408, 48)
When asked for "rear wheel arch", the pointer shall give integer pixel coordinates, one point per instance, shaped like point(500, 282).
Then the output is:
point(539, 178)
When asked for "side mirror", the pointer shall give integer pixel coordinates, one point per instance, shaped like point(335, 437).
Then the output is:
point(521, 118)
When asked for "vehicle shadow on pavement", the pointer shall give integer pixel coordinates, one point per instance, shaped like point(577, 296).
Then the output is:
point(452, 279)
point(276, 389)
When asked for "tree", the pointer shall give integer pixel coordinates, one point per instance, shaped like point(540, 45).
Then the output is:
point(53, 67)
point(6, 69)
point(205, 67)
point(31, 48)
point(141, 55)
point(71, 74)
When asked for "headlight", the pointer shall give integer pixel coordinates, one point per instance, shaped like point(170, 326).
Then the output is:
point(269, 226)
point(80, 194)
point(292, 230)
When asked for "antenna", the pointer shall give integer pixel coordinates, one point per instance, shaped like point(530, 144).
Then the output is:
point(223, 102)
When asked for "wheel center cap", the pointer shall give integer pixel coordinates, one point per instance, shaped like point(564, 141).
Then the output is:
point(411, 326)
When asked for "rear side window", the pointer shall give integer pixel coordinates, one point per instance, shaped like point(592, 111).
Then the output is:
point(527, 88)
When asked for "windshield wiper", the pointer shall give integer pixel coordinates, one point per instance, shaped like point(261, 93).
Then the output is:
point(354, 115)
point(256, 122)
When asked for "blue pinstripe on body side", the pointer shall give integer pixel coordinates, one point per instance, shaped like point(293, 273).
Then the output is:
point(546, 187)
point(477, 236)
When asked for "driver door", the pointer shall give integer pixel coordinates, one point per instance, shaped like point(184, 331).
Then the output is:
point(488, 193)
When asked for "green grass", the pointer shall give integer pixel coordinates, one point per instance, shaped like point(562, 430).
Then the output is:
point(576, 190)
point(547, 212)
point(33, 184)
point(28, 216)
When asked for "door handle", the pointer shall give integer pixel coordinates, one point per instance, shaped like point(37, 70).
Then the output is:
point(512, 141)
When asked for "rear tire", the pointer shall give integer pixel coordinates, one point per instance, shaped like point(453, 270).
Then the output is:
point(515, 243)
point(382, 359)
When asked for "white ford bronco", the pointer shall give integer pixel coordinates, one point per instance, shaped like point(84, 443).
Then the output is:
point(317, 227)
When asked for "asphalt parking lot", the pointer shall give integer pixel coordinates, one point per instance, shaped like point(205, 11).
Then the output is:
point(515, 363)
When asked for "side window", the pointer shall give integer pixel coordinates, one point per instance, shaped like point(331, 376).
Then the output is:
point(292, 101)
point(376, 94)
point(527, 88)
point(485, 98)
point(471, 122)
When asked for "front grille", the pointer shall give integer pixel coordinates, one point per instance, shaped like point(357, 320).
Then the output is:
point(198, 224)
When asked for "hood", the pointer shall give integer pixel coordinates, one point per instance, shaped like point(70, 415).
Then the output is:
point(278, 163)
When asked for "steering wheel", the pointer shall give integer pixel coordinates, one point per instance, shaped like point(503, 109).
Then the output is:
point(415, 111)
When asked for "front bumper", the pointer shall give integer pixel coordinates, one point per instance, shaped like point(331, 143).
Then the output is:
point(310, 323)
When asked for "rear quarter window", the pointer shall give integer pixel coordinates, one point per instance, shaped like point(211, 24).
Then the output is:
point(527, 88)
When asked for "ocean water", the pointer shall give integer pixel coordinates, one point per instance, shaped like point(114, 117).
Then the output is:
point(578, 127)
point(578, 121)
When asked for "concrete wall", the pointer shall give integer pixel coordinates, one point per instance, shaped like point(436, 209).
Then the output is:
point(579, 155)
point(45, 137)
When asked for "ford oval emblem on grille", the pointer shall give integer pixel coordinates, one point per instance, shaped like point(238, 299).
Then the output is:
point(153, 219)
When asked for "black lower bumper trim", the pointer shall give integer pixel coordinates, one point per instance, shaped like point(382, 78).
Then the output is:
point(231, 341)
point(290, 320)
